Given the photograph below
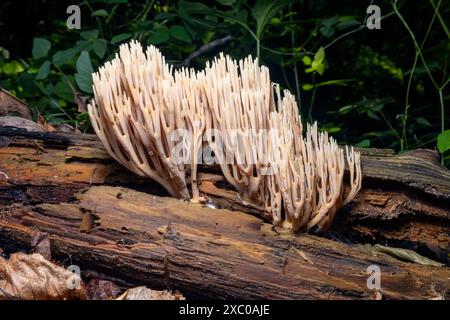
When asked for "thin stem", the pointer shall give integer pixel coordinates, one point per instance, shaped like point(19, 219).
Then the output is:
point(361, 27)
point(297, 84)
point(405, 112)
point(390, 126)
point(258, 48)
point(418, 50)
point(413, 37)
point(441, 101)
point(283, 53)
point(313, 96)
point(99, 25)
point(283, 71)
point(441, 21)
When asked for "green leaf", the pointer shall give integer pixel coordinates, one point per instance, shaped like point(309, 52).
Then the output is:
point(363, 143)
point(13, 67)
point(41, 47)
point(99, 48)
point(373, 115)
point(443, 141)
point(62, 103)
point(318, 63)
point(327, 32)
point(207, 37)
point(90, 35)
point(64, 56)
point(347, 24)
point(307, 86)
point(336, 82)
point(180, 33)
point(187, 7)
point(306, 60)
point(264, 11)
point(161, 35)
point(319, 57)
point(422, 121)
point(330, 21)
point(320, 68)
point(83, 77)
point(4, 53)
point(100, 13)
point(44, 70)
point(42, 104)
point(346, 109)
point(120, 37)
point(333, 130)
point(226, 2)
point(63, 90)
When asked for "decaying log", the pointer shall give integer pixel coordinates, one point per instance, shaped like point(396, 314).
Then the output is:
point(209, 253)
point(51, 181)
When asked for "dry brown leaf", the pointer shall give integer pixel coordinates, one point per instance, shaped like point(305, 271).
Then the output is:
point(64, 127)
point(143, 293)
point(11, 105)
point(41, 121)
point(32, 277)
point(81, 101)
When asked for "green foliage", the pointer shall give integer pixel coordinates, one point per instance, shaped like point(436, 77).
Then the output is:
point(83, 77)
point(443, 142)
point(372, 88)
point(40, 48)
point(264, 11)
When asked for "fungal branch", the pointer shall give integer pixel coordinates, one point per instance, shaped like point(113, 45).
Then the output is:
point(135, 111)
point(158, 123)
point(239, 100)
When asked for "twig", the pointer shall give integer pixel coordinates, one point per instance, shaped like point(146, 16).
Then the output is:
point(203, 49)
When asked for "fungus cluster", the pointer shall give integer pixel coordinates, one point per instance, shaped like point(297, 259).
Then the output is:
point(160, 123)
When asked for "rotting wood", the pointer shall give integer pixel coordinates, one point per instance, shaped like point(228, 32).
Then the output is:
point(210, 253)
point(404, 202)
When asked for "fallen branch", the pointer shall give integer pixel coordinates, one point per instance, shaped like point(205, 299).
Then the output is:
point(204, 49)
point(131, 233)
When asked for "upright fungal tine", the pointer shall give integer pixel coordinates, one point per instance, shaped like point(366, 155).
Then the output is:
point(158, 122)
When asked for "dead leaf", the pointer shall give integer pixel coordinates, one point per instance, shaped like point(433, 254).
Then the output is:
point(64, 128)
point(32, 277)
point(81, 101)
point(143, 293)
point(11, 105)
point(41, 244)
point(99, 289)
point(41, 121)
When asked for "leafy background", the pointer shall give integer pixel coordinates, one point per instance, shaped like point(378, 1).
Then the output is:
point(384, 88)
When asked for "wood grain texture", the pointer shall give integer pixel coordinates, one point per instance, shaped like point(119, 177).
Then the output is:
point(56, 179)
point(211, 253)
